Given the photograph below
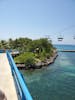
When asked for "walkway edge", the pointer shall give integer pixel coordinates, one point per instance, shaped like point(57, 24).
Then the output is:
point(22, 84)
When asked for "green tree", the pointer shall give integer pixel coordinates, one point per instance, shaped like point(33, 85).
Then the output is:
point(27, 58)
point(4, 44)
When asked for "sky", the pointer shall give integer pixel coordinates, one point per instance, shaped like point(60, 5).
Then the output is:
point(38, 18)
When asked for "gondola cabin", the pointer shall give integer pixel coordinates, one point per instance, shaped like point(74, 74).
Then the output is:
point(74, 37)
point(60, 38)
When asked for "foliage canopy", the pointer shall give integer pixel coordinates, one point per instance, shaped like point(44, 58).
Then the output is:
point(31, 51)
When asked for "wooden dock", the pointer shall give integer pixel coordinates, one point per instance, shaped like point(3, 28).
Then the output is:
point(7, 84)
point(66, 50)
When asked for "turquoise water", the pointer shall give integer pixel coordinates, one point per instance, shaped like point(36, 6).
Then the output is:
point(54, 82)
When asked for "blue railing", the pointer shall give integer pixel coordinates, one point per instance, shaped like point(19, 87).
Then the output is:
point(2, 50)
point(20, 82)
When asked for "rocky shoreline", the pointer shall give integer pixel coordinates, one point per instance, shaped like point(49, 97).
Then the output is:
point(40, 64)
point(46, 62)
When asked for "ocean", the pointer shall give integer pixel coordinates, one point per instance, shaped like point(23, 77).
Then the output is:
point(56, 81)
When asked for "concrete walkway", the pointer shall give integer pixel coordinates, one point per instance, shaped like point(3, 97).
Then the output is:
point(6, 80)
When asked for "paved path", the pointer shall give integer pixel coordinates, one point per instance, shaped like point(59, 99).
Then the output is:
point(6, 80)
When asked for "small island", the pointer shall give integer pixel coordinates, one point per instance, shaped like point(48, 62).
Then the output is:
point(33, 54)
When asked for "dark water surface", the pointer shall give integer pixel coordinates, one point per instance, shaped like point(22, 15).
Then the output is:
point(54, 82)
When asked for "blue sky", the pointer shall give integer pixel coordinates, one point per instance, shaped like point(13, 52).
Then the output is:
point(38, 18)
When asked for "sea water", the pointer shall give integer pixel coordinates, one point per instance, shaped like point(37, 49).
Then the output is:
point(56, 81)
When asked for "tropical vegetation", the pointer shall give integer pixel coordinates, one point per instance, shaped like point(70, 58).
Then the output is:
point(31, 51)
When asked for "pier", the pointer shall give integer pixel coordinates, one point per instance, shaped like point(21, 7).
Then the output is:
point(66, 50)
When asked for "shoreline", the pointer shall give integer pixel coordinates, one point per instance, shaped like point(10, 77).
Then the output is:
point(39, 65)
point(47, 62)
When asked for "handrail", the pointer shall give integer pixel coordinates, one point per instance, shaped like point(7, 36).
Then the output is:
point(2, 50)
point(24, 90)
